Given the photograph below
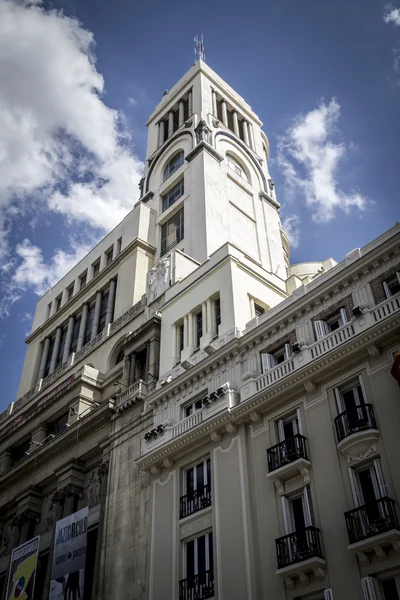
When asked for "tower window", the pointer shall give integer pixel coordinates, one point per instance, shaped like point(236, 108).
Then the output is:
point(258, 310)
point(82, 280)
point(235, 166)
point(173, 165)
point(96, 268)
point(173, 195)
point(172, 231)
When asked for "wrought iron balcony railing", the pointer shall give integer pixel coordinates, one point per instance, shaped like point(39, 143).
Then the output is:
point(349, 422)
point(287, 452)
point(195, 501)
point(371, 519)
point(298, 546)
point(197, 587)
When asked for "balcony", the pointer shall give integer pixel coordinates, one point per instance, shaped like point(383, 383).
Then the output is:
point(197, 587)
point(356, 432)
point(135, 392)
point(372, 528)
point(288, 460)
point(300, 554)
point(195, 501)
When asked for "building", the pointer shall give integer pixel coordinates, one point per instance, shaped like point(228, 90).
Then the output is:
point(230, 419)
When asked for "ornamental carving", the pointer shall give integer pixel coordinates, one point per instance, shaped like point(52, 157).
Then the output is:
point(202, 132)
point(158, 279)
point(271, 184)
point(93, 489)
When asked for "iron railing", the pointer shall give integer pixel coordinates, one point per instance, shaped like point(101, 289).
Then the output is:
point(195, 501)
point(349, 422)
point(197, 587)
point(298, 546)
point(286, 452)
point(371, 519)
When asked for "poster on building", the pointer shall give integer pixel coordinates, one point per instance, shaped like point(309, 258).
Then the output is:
point(68, 574)
point(22, 574)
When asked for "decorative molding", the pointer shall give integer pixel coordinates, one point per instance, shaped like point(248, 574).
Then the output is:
point(290, 582)
point(270, 200)
point(380, 552)
point(373, 351)
point(310, 386)
point(203, 145)
point(359, 446)
point(255, 417)
point(363, 558)
point(231, 428)
point(215, 436)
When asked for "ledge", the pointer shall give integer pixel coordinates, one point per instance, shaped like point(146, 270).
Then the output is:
point(302, 570)
point(378, 544)
point(270, 200)
point(359, 445)
point(208, 148)
point(301, 467)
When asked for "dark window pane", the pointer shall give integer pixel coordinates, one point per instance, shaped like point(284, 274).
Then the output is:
point(201, 554)
point(173, 165)
point(173, 195)
point(190, 560)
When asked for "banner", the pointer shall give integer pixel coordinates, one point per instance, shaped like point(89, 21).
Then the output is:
point(68, 574)
point(21, 579)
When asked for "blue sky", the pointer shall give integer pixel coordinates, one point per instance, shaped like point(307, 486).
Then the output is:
point(79, 79)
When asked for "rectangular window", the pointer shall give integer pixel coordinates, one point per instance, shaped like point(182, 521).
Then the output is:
point(109, 256)
point(82, 280)
point(119, 245)
point(367, 484)
point(75, 333)
point(199, 328)
point(181, 337)
point(298, 512)
point(391, 588)
point(172, 231)
point(193, 407)
point(61, 349)
point(392, 285)
point(58, 425)
point(289, 426)
point(89, 325)
point(173, 195)
point(258, 310)
point(198, 569)
point(49, 355)
point(197, 488)
point(48, 310)
point(271, 360)
point(327, 326)
point(70, 292)
point(217, 306)
point(173, 165)
point(58, 303)
point(19, 452)
point(96, 268)
point(103, 311)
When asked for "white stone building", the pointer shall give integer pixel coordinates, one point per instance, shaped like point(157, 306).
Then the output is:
point(241, 407)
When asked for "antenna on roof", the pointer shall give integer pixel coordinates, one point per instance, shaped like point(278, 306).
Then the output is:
point(199, 50)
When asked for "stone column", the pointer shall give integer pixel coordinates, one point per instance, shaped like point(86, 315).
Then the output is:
point(54, 516)
point(190, 103)
point(181, 112)
point(96, 317)
point(214, 103)
point(252, 308)
point(132, 371)
point(235, 123)
point(210, 322)
point(68, 338)
point(28, 519)
point(82, 326)
point(161, 133)
point(251, 136)
point(224, 113)
point(190, 329)
point(126, 371)
point(153, 352)
point(170, 123)
point(245, 132)
point(110, 303)
point(5, 461)
point(45, 356)
point(56, 349)
point(204, 318)
point(185, 331)
point(102, 474)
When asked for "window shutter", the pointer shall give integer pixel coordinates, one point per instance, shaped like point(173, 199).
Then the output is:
point(287, 515)
point(387, 290)
point(371, 589)
point(343, 316)
point(309, 516)
point(288, 352)
point(268, 362)
point(339, 401)
point(328, 594)
point(321, 329)
point(364, 398)
point(281, 431)
point(299, 426)
point(380, 477)
point(355, 487)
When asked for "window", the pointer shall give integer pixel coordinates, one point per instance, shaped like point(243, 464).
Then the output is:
point(181, 334)
point(61, 348)
point(392, 285)
point(19, 452)
point(58, 303)
point(193, 407)
point(103, 311)
point(258, 310)
point(391, 588)
point(70, 292)
point(199, 328)
point(96, 268)
point(217, 307)
point(89, 325)
point(109, 256)
point(235, 166)
point(298, 512)
point(324, 328)
point(198, 569)
point(119, 245)
point(271, 360)
point(82, 280)
point(172, 231)
point(351, 404)
point(75, 333)
point(289, 426)
point(196, 487)
point(173, 195)
point(58, 425)
point(368, 485)
point(49, 355)
point(173, 165)
point(48, 310)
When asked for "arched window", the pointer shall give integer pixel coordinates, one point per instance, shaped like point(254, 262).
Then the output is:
point(235, 166)
point(173, 165)
point(120, 357)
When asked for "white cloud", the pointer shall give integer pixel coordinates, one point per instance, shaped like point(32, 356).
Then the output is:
point(291, 225)
point(62, 149)
point(392, 15)
point(310, 159)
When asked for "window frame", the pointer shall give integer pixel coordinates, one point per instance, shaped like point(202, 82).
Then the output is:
point(83, 280)
point(95, 268)
point(209, 563)
point(172, 195)
point(393, 280)
point(179, 231)
point(170, 168)
point(234, 165)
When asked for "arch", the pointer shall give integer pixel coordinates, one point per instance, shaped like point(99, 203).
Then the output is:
point(249, 154)
point(237, 166)
point(166, 145)
point(173, 164)
point(116, 352)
